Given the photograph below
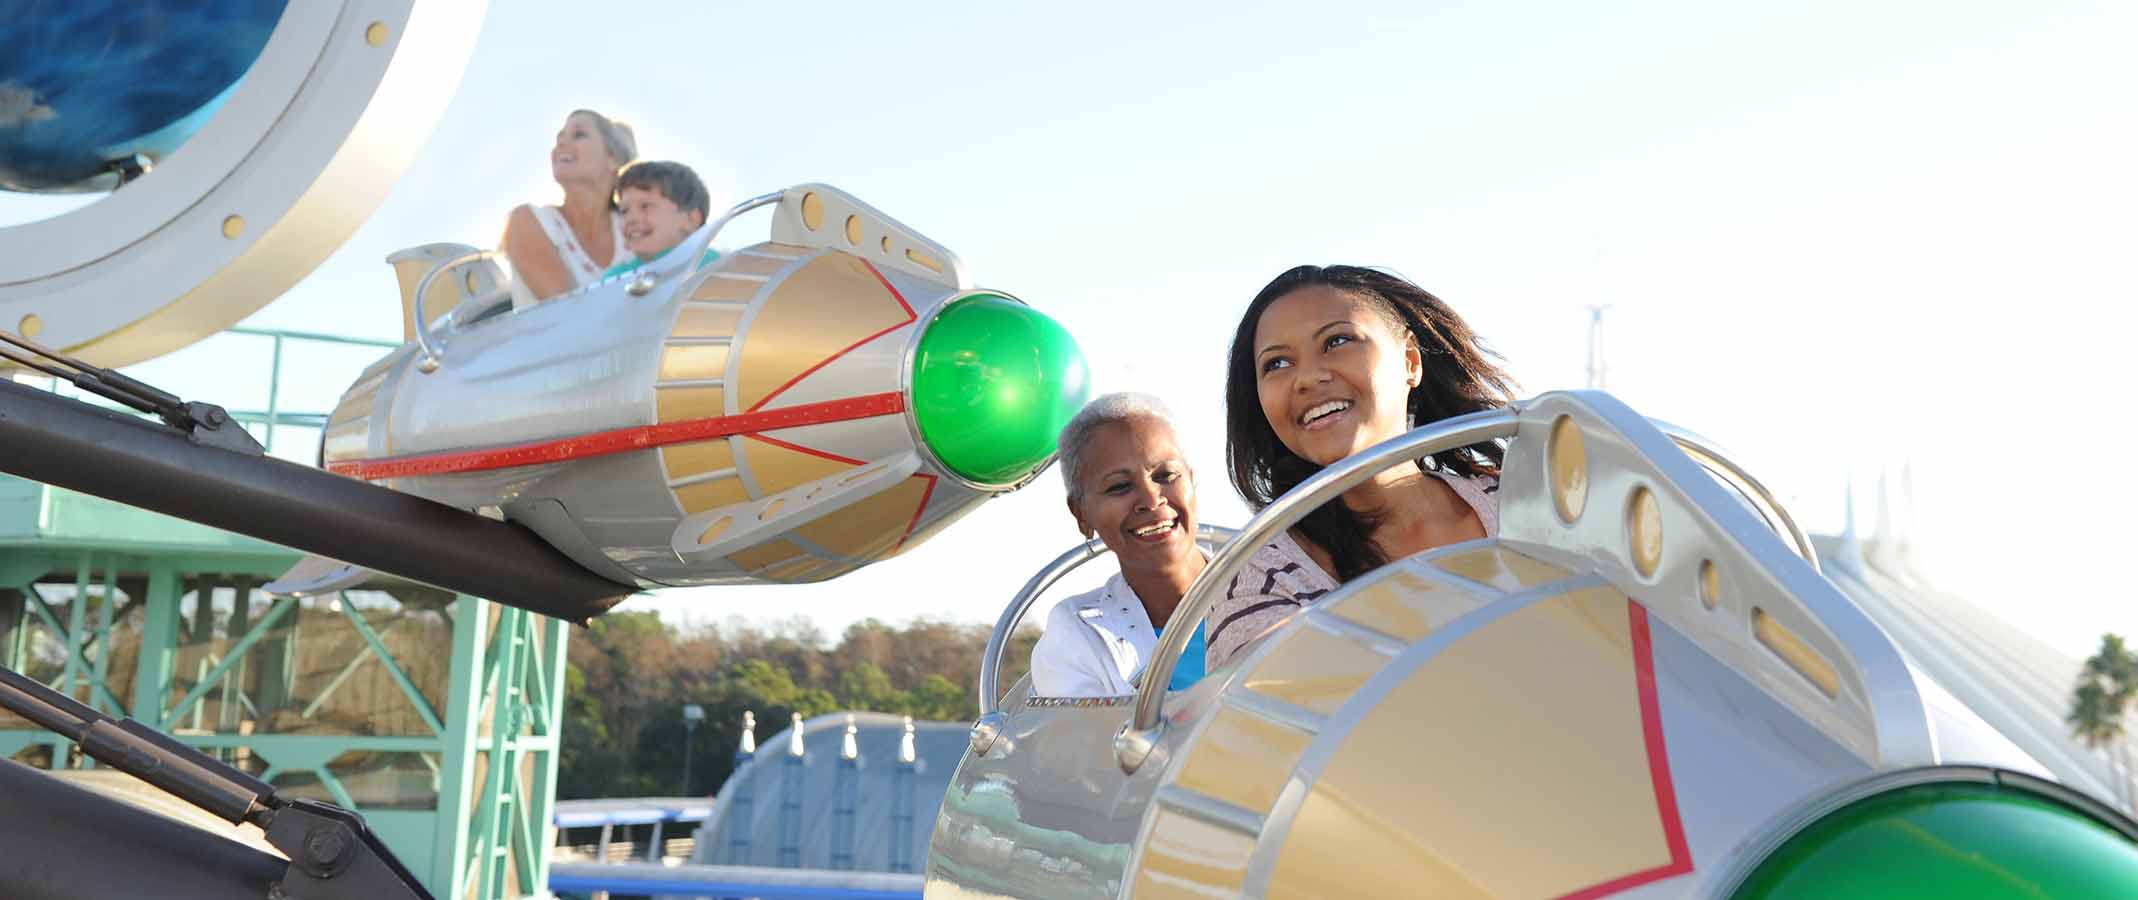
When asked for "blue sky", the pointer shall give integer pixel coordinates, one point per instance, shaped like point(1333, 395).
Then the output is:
point(1836, 237)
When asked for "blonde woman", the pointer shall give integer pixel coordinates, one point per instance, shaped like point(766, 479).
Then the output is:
point(558, 249)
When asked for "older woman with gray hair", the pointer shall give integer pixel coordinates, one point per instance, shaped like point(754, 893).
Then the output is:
point(1129, 485)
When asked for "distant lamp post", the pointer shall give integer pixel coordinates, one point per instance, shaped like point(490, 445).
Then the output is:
point(692, 715)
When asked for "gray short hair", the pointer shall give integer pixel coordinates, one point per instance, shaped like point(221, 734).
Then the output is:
point(1107, 409)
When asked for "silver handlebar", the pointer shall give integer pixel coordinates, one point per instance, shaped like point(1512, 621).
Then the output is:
point(1711, 458)
point(432, 355)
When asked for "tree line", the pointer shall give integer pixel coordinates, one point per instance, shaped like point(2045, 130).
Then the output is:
point(631, 674)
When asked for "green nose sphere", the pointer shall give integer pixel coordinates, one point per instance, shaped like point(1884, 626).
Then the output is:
point(1954, 841)
point(994, 381)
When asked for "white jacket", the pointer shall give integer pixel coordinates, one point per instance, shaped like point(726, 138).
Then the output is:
point(1095, 645)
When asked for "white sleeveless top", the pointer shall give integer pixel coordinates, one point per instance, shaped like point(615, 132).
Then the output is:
point(582, 266)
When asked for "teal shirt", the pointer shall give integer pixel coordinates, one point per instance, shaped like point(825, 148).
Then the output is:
point(1190, 668)
point(632, 264)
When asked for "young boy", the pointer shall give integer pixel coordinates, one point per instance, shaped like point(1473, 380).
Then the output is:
point(662, 203)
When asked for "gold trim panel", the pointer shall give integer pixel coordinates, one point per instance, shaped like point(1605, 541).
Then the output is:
point(753, 264)
point(704, 495)
point(694, 362)
point(870, 527)
point(1188, 857)
point(698, 319)
point(1243, 759)
point(682, 404)
point(768, 554)
point(1314, 670)
point(1502, 568)
point(778, 468)
point(696, 458)
point(721, 289)
point(1405, 605)
point(1794, 651)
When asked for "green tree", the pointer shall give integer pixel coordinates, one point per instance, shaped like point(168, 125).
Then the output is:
point(2108, 685)
point(630, 675)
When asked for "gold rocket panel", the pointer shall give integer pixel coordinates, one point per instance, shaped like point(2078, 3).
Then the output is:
point(1187, 857)
point(768, 554)
point(744, 262)
point(795, 571)
point(828, 305)
point(1243, 759)
point(682, 404)
point(714, 494)
point(778, 468)
point(1536, 717)
point(697, 458)
point(727, 290)
point(1314, 670)
point(1502, 568)
point(708, 320)
point(694, 362)
point(1404, 605)
point(871, 526)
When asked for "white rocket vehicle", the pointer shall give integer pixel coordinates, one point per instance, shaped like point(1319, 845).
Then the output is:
point(795, 410)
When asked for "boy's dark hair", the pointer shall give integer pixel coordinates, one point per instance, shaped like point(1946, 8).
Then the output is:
point(672, 180)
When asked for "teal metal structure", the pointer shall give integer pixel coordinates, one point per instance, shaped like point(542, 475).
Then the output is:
point(436, 716)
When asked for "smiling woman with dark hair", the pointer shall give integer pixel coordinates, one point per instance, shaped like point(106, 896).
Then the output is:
point(1130, 486)
point(1326, 362)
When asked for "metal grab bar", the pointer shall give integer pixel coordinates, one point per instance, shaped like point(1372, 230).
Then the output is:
point(1711, 458)
point(433, 356)
point(989, 723)
point(1135, 742)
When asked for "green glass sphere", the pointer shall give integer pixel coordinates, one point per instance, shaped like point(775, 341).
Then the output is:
point(1951, 841)
point(994, 381)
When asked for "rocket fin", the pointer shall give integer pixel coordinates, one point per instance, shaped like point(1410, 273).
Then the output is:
point(314, 575)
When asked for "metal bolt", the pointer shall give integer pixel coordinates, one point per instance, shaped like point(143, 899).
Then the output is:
point(326, 846)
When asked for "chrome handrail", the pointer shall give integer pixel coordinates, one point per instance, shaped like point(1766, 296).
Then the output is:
point(989, 723)
point(1136, 740)
point(1711, 458)
point(433, 356)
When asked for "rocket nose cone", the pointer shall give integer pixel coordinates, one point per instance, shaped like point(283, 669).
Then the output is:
point(994, 381)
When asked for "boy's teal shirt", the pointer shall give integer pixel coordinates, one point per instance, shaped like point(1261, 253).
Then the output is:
point(632, 264)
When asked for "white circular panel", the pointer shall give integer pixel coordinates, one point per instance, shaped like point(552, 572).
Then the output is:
point(305, 149)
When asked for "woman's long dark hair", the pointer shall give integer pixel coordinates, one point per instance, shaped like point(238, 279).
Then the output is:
point(1460, 376)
